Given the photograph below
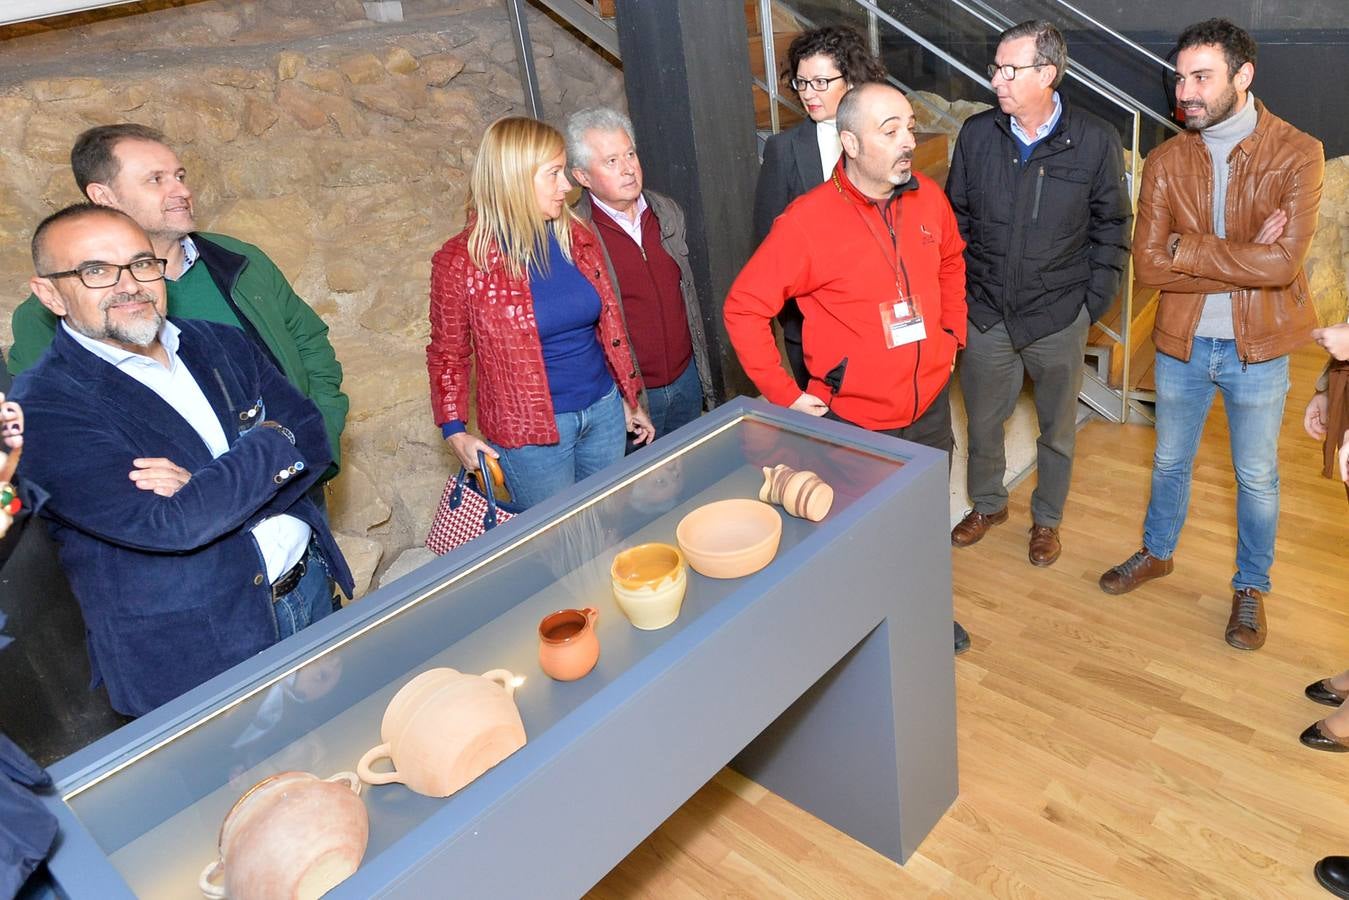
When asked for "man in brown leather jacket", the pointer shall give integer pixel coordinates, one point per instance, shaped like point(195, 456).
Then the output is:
point(1226, 214)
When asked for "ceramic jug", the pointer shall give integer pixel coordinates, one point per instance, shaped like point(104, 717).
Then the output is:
point(292, 836)
point(445, 728)
point(568, 645)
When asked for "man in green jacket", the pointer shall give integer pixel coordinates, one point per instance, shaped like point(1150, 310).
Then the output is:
point(131, 168)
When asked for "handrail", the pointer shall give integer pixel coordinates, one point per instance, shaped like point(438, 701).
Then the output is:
point(809, 23)
point(585, 19)
point(1139, 48)
point(770, 61)
point(1078, 72)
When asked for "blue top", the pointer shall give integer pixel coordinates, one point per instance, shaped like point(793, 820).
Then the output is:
point(566, 311)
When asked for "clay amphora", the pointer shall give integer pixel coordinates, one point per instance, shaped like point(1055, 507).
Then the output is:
point(801, 493)
point(649, 582)
point(568, 645)
point(444, 728)
point(290, 836)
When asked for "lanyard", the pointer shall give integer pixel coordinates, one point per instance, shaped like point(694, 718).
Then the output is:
point(898, 264)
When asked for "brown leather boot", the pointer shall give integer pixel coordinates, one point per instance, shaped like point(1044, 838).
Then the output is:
point(1044, 545)
point(1246, 629)
point(972, 528)
point(1135, 570)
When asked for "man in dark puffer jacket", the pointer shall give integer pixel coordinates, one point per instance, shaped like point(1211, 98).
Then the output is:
point(1038, 189)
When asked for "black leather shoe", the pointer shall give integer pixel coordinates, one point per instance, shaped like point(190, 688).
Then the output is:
point(1318, 737)
point(1333, 874)
point(962, 638)
point(1322, 692)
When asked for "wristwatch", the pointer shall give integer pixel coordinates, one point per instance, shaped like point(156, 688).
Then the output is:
point(1175, 245)
point(286, 432)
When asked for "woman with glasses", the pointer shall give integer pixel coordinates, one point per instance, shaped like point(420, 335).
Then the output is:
point(522, 295)
point(822, 65)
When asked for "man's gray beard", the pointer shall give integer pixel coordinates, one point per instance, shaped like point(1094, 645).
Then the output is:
point(141, 333)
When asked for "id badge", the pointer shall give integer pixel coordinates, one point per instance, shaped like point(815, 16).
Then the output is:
point(902, 321)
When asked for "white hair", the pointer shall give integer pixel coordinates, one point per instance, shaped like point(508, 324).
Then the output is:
point(596, 118)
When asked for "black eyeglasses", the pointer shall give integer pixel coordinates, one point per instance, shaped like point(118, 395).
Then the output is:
point(1008, 72)
point(820, 84)
point(105, 275)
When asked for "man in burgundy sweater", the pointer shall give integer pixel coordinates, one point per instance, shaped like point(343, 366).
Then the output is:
point(642, 234)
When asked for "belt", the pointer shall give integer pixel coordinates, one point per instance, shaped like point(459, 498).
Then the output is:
point(289, 581)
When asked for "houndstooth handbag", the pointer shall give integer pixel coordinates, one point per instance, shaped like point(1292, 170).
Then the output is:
point(467, 510)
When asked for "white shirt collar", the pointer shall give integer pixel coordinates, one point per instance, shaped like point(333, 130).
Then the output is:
point(633, 225)
point(168, 336)
point(190, 254)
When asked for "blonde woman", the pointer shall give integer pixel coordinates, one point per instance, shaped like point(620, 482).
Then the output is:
point(523, 291)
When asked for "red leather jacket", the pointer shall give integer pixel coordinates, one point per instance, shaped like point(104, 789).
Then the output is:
point(489, 315)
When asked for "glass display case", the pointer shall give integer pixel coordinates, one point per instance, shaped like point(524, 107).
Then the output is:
point(662, 710)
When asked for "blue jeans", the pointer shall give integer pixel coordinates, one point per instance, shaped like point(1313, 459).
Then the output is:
point(309, 601)
point(676, 404)
point(1253, 397)
point(588, 441)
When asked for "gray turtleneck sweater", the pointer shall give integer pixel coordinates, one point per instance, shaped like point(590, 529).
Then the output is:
point(1221, 139)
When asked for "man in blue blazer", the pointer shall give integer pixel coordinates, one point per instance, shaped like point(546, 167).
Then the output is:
point(175, 459)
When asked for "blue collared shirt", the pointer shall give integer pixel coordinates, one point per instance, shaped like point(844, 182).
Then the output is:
point(1043, 131)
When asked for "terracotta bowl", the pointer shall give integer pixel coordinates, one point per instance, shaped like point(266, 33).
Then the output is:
point(730, 538)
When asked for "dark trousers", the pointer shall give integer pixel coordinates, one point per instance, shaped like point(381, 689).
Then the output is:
point(991, 375)
point(931, 429)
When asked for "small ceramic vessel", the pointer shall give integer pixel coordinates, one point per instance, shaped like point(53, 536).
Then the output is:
point(730, 538)
point(568, 645)
point(290, 836)
point(445, 728)
point(649, 582)
point(801, 493)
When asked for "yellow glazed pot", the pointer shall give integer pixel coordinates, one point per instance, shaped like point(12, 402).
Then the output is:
point(649, 582)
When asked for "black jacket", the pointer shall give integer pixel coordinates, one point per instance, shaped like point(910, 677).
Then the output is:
point(1044, 238)
point(791, 166)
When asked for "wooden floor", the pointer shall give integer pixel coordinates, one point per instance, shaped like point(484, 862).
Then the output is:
point(1109, 746)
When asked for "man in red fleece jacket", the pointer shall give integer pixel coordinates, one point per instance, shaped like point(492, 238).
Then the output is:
point(875, 260)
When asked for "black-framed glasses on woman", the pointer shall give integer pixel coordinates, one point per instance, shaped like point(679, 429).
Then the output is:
point(104, 275)
point(819, 84)
point(1008, 72)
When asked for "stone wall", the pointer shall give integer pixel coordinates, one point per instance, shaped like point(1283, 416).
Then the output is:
point(339, 146)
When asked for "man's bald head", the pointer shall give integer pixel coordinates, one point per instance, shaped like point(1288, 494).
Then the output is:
point(857, 107)
point(876, 127)
point(41, 246)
